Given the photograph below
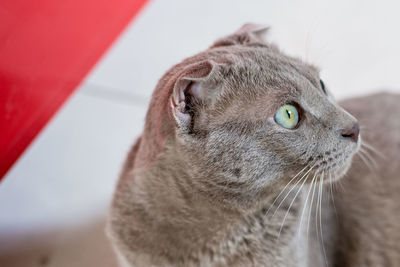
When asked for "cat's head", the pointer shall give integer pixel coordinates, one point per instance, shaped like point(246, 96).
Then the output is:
point(248, 118)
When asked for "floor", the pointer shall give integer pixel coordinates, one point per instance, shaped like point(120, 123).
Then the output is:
point(54, 200)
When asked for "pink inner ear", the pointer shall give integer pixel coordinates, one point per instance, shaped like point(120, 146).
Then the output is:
point(179, 113)
point(196, 90)
point(179, 92)
point(178, 103)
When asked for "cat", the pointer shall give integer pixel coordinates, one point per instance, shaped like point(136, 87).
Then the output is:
point(239, 142)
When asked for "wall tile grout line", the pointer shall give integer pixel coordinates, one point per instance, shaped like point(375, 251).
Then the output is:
point(115, 95)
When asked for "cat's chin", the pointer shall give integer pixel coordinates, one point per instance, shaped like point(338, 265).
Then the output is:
point(336, 170)
point(339, 170)
point(338, 173)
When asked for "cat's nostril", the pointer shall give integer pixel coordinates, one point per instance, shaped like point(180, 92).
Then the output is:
point(352, 133)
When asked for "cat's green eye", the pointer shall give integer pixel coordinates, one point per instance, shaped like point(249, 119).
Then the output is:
point(287, 116)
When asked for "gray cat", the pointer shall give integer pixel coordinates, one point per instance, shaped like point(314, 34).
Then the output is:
point(239, 144)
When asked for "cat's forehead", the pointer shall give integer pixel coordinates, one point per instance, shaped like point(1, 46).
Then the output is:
point(272, 64)
point(265, 69)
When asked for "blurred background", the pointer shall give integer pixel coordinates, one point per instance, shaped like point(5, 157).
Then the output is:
point(54, 198)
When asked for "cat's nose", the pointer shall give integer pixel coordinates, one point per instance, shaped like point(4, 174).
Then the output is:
point(352, 133)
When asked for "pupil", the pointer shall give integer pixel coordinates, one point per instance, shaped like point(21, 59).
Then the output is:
point(288, 113)
point(322, 86)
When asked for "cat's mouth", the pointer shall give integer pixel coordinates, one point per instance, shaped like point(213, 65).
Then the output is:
point(334, 164)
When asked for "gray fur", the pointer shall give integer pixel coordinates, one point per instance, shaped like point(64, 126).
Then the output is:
point(197, 187)
point(368, 206)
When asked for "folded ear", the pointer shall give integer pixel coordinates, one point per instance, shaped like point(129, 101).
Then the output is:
point(190, 88)
point(249, 33)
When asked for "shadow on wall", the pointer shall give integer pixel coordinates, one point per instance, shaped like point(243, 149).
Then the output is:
point(83, 246)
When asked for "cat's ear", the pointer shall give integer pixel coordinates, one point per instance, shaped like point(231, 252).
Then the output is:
point(249, 33)
point(190, 88)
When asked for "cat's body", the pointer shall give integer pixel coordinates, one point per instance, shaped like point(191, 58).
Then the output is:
point(368, 199)
point(202, 186)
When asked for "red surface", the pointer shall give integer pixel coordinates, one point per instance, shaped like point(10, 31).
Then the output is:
point(46, 49)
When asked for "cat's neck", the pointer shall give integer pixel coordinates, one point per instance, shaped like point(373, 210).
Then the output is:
point(179, 225)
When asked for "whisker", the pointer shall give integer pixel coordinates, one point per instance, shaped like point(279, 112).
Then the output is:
point(371, 159)
point(310, 209)
point(373, 149)
point(317, 209)
point(332, 197)
point(339, 184)
point(366, 162)
point(291, 203)
point(320, 218)
point(283, 190)
point(305, 203)
point(292, 190)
